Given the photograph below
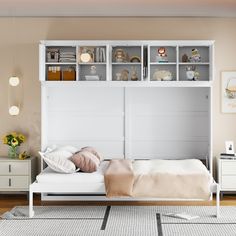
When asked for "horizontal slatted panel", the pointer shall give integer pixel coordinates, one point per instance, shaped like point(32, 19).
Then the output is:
point(86, 117)
point(168, 122)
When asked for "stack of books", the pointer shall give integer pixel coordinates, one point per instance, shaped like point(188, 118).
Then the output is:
point(100, 55)
point(67, 57)
point(227, 156)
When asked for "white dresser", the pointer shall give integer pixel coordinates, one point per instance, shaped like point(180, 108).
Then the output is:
point(16, 175)
point(227, 175)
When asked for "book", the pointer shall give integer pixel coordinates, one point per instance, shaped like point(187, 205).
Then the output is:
point(97, 55)
point(103, 55)
point(182, 215)
point(225, 154)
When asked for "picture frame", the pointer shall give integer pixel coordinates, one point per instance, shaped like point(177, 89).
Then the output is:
point(229, 147)
point(228, 91)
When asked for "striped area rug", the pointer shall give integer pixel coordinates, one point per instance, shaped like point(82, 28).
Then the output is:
point(118, 221)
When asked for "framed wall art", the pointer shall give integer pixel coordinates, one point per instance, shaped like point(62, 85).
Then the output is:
point(228, 91)
point(229, 147)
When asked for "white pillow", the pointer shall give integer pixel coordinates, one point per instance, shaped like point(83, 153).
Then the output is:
point(58, 161)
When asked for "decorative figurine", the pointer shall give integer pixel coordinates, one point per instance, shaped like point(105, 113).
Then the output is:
point(195, 57)
point(93, 70)
point(161, 55)
point(135, 59)
point(191, 73)
point(185, 58)
point(118, 76)
point(134, 75)
point(125, 75)
point(162, 75)
point(120, 55)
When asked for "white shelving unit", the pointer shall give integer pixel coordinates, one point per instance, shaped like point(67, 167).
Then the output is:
point(108, 69)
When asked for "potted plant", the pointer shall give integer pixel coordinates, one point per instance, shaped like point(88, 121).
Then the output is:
point(13, 140)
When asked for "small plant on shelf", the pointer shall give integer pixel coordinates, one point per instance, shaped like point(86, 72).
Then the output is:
point(14, 140)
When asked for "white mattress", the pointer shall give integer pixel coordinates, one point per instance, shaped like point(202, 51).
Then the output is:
point(50, 176)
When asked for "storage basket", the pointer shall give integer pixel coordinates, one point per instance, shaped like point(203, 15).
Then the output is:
point(68, 75)
point(54, 75)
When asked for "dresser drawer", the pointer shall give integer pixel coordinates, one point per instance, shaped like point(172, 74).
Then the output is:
point(14, 168)
point(11, 182)
point(228, 167)
point(228, 182)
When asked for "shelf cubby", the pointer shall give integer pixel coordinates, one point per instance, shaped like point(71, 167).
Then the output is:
point(55, 72)
point(130, 51)
point(167, 67)
point(202, 50)
point(85, 70)
point(118, 68)
point(60, 54)
point(170, 52)
point(203, 71)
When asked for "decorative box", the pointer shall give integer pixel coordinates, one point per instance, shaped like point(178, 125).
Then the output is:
point(68, 75)
point(54, 73)
point(52, 55)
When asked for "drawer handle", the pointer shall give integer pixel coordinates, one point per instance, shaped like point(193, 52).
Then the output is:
point(9, 168)
point(9, 183)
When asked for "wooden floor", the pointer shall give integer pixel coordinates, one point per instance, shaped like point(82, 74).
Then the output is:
point(7, 202)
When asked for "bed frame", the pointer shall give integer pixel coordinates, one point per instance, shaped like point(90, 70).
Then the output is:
point(136, 120)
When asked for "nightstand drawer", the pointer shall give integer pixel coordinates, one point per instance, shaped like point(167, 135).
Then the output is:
point(228, 167)
point(228, 182)
point(11, 182)
point(14, 168)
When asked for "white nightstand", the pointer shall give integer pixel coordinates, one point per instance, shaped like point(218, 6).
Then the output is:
point(227, 175)
point(16, 175)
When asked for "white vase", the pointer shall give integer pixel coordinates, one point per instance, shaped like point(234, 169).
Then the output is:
point(190, 74)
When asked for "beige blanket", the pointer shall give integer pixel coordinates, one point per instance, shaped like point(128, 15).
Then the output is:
point(182, 179)
point(119, 178)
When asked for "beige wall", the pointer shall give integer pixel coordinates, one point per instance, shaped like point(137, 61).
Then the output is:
point(19, 39)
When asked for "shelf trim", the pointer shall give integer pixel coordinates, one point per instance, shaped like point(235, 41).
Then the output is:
point(194, 63)
point(126, 63)
point(163, 63)
point(128, 83)
point(60, 63)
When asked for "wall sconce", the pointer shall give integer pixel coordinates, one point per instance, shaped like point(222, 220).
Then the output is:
point(14, 96)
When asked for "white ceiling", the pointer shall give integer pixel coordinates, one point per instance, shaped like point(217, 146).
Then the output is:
point(220, 8)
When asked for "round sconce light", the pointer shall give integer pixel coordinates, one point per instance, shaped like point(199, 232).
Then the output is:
point(14, 110)
point(14, 81)
point(14, 95)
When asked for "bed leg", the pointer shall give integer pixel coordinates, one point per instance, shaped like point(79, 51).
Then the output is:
point(217, 200)
point(31, 210)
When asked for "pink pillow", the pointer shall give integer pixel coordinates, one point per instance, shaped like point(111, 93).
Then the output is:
point(86, 161)
point(93, 151)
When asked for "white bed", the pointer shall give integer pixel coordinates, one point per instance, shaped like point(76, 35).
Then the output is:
point(51, 182)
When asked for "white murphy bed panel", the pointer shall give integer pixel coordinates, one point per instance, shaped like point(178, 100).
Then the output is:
point(131, 119)
point(129, 122)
